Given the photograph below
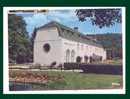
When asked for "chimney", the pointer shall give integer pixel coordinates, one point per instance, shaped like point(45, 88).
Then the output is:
point(76, 28)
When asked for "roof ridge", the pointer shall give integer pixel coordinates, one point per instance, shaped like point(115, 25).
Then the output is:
point(80, 36)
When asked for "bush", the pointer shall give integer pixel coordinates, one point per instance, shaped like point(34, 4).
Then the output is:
point(102, 69)
point(52, 65)
point(95, 68)
point(69, 66)
point(60, 67)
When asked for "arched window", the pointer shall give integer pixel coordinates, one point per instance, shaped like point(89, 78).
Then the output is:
point(67, 55)
point(86, 59)
point(78, 59)
point(72, 56)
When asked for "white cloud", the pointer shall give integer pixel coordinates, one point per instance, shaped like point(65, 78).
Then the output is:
point(35, 21)
point(39, 19)
point(66, 17)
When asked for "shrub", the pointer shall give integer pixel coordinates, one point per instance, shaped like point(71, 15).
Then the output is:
point(52, 64)
point(102, 69)
point(60, 66)
point(69, 66)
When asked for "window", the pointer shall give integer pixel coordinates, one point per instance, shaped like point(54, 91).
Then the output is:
point(46, 47)
point(86, 59)
point(82, 47)
point(72, 56)
point(78, 59)
point(67, 55)
point(86, 47)
point(77, 46)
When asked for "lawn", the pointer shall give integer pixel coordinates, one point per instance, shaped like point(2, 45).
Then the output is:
point(73, 80)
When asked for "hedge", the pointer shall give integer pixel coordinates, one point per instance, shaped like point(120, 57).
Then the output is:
point(69, 66)
point(95, 68)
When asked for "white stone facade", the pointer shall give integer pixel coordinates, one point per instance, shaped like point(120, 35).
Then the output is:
point(61, 50)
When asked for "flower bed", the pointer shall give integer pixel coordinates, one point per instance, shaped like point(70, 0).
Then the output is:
point(28, 77)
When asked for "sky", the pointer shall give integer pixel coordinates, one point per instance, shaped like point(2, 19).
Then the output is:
point(67, 18)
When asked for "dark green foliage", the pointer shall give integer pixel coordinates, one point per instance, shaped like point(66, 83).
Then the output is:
point(19, 41)
point(33, 36)
point(95, 68)
point(112, 42)
point(100, 17)
point(72, 66)
point(102, 69)
point(32, 41)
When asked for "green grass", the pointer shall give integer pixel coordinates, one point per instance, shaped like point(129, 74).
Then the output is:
point(75, 80)
point(87, 81)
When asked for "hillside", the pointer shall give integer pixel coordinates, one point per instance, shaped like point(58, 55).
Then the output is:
point(112, 42)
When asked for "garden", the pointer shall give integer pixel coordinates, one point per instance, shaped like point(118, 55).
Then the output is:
point(64, 80)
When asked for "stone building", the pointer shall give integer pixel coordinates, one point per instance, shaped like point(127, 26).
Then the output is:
point(57, 43)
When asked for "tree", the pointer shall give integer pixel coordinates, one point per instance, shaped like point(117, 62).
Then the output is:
point(19, 42)
point(33, 36)
point(100, 17)
point(32, 40)
point(112, 42)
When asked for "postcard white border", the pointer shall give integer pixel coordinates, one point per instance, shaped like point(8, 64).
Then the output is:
point(5, 55)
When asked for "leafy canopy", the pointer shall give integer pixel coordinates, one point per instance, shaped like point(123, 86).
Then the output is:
point(19, 41)
point(100, 17)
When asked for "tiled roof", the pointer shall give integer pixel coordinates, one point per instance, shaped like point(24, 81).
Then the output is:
point(71, 34)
